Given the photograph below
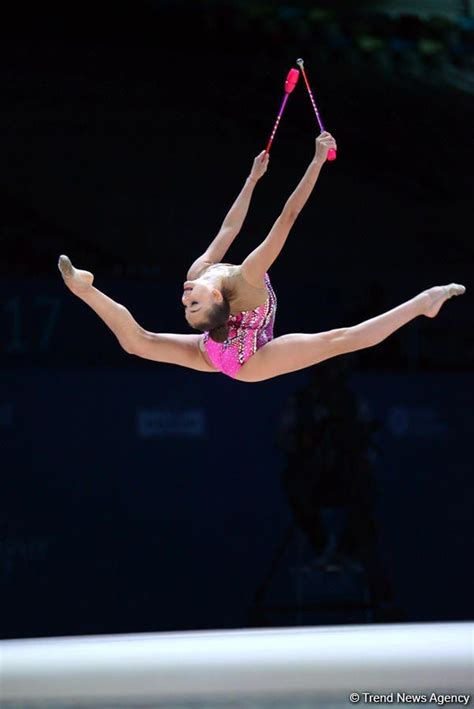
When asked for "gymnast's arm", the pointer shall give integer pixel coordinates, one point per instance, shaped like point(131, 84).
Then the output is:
point(259, 261)
point(232, 224)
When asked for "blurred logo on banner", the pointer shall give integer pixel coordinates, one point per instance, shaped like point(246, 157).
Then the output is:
point(162, 423)
point(415, 421)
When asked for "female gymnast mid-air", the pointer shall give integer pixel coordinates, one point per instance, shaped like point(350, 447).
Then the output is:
point(234, 306)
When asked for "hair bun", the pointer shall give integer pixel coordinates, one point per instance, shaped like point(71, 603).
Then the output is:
point(219, 334)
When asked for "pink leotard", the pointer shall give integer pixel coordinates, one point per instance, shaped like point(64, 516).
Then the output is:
point(248, 332)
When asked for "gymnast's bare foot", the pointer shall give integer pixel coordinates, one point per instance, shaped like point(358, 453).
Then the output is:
point(77, 281)
point(439, 295)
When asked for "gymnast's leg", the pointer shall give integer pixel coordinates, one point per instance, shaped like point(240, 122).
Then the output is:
point(177, 349)
point(290, 353)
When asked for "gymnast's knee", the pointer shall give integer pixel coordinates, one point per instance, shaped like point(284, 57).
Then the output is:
point(339, 341)
point(353, 338)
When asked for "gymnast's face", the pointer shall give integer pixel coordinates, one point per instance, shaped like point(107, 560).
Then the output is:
point(198, 297)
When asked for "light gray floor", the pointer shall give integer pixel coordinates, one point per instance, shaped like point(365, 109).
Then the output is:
point(289, 668)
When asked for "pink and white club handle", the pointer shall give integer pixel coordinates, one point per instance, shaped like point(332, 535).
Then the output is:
point(331, 153)
point(290, 83)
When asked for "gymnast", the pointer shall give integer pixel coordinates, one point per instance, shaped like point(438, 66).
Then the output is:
point(234, 305)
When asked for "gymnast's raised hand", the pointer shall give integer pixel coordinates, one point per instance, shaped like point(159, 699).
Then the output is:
point(233, 306)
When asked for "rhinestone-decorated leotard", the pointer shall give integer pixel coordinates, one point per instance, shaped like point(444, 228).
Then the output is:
point(248, 332)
